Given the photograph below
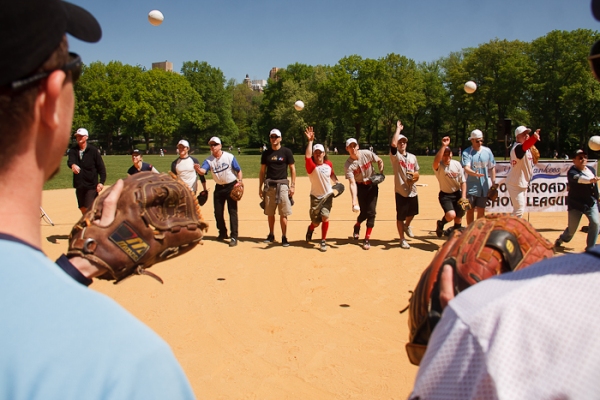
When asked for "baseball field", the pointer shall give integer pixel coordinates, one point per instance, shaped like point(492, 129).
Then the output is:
point(260, 321)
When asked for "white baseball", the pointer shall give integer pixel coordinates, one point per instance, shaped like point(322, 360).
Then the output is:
point(299, 105)
point(155, 17)
point(594, 143)
point(356, 209)
point(470, 87)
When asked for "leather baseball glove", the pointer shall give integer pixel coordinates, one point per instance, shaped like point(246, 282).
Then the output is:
point(376, 179)
point(535, 153)
point(203, 197)
point(464, 204)
point(489, 246)
point(493, 192)
point(157, 218)
point(237, 192)
point(338, 189)
point(412, 177)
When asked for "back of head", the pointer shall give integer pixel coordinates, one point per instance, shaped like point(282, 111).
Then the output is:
point(34, 41)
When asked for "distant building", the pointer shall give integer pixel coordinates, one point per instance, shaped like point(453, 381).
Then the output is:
point(258, 85)
point(164, 65)
point(273, 73)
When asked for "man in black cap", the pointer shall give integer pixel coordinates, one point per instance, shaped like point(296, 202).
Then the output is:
point(138, 164)
point(59, 340)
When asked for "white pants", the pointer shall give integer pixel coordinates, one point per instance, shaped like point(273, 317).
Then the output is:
point(518, 197)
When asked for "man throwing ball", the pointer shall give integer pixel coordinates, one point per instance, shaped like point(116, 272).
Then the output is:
point(320, 174)
point(453, 187)
point(359, 171)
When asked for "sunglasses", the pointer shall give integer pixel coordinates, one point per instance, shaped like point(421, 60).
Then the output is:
point(73, 66)
point(581, 157)
point(273, 137)
point(213, 144)
point(479, 140)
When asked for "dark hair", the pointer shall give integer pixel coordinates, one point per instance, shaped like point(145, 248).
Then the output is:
point(16, 107)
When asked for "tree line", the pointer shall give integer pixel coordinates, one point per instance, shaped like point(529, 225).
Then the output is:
point(543, 84)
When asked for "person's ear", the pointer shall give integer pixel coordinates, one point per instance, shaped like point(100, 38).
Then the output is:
point(49, 96)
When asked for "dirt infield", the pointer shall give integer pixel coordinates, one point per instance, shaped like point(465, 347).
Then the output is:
point(261, 321)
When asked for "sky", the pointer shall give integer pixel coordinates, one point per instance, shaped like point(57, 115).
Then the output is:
point(251, 37)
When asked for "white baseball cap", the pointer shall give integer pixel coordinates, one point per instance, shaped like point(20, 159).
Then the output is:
point(214, 139)
point(82, 132)
point(275, 132)
point(350, 141)
point(401, 136)
point(521, 129)
point(476, 134)
point(184, 142)
point(318, 147)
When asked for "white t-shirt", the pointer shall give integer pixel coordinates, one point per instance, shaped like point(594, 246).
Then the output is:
point(320, 177)
point(223, 169)
point(187, 173)
point(521, 169)
point(403, 165)
point(529, 334)
point(450, 177)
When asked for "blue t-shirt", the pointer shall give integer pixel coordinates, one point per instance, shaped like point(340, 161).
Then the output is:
point(61, 340)
point(482, 162)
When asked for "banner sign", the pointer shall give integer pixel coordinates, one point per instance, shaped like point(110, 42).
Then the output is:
point(547, 190)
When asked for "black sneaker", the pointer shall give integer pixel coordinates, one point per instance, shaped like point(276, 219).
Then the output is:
point(356, 233)
point(558, 244)
point(323, 246)
point(309, 234)
point(233, 242)
point(439, 229)
point(221, 237)
point(270, 238)
point(284, 242)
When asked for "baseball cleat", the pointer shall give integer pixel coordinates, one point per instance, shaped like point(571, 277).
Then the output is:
point(439, 229)
point(366, 245)
point(233, 242)
point(323, 246)
point(356, 233)
point(309, 234)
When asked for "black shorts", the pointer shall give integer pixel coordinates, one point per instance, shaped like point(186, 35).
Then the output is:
point(406, 207)
point(479, 202)
point(449, 202)
point(85, 197)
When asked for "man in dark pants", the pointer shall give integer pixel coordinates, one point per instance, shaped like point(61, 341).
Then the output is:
point(581, 200)
point(359, 169)
point(86, 163)
point(226, 172)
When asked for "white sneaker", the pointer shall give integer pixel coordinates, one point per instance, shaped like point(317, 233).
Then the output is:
point(408, 231)
point(404, 244)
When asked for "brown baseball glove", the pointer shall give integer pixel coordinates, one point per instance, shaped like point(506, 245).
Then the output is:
point(535, 153)
point(493, 192)
point(157, 218)
point(203, 197)
point(464, 204)
point(237, 192)
point(489, 246)
point(412, 177)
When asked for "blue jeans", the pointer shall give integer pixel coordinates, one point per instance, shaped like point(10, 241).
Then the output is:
point(574, 218)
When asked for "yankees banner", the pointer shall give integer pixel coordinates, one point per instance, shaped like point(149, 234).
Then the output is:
point(547, 190)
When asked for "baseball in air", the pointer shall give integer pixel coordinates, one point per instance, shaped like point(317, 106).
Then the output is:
point(155, 17)
point(594, 143)
point(299, 105)
point(470, 87)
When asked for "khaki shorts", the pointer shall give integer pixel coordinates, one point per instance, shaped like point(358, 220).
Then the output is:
point(325, 209)
point(284, 206)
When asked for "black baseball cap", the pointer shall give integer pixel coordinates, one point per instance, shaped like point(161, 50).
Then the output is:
point(32, 29)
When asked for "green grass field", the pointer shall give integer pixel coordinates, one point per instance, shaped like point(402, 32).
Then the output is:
point(117, 166)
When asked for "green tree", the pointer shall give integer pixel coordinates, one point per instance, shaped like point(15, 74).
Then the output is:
point(209, 82)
